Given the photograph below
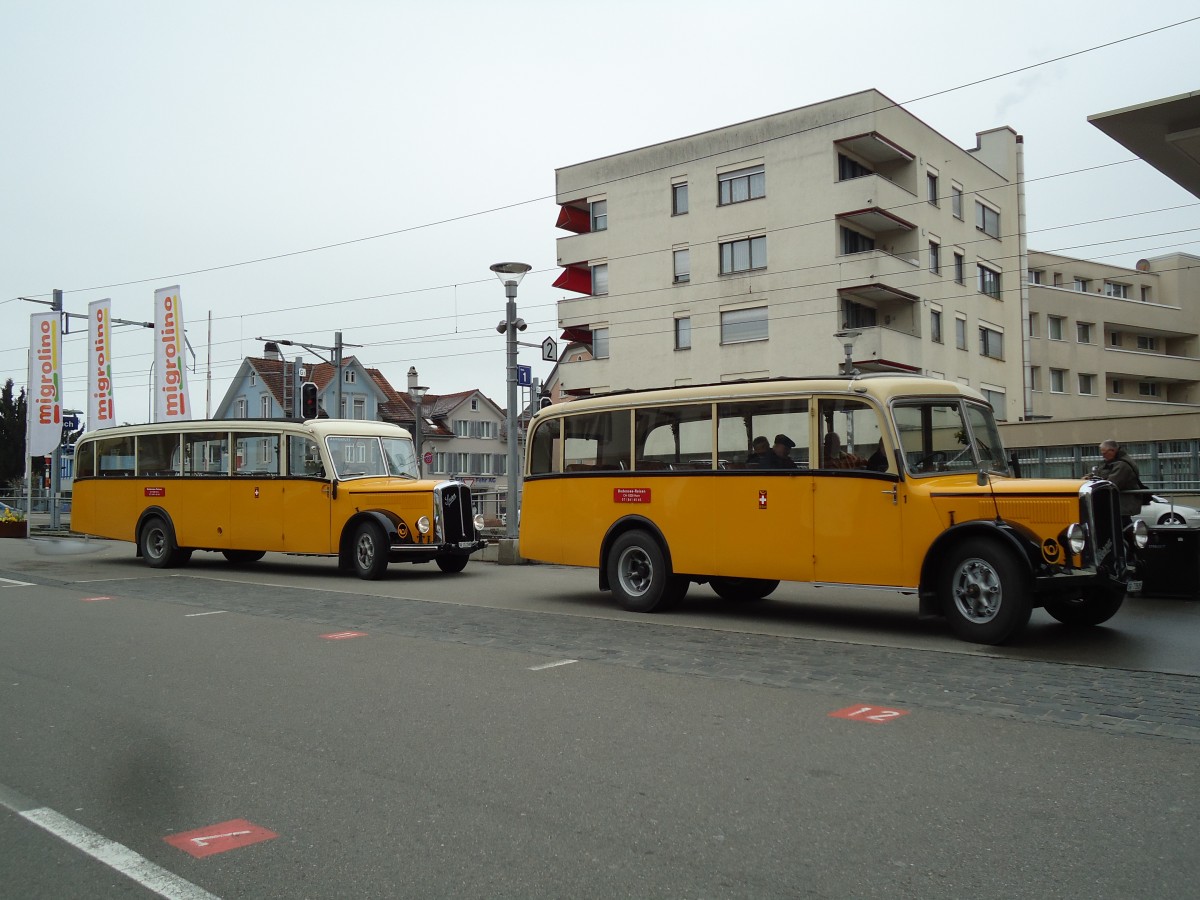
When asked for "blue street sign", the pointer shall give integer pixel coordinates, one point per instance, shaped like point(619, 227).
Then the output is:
point(524, 376)
point(71, 422)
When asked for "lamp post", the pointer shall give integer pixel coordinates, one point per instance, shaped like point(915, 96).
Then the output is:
point(510, 274)
point(417, 392)
point(848, 337)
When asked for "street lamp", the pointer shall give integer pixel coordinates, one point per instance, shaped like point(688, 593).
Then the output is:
point(848, 337)
point(510, 274)
point(418, 394)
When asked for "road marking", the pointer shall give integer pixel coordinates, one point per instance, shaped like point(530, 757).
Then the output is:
point(215, 612)
point(343, 635)
point(561, 662)
point(132, 865)
point(94, 599)
point(869, 713)
point(202, 842)
point(11, 583)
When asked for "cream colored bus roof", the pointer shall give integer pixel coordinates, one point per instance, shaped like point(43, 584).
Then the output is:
point(316, 428)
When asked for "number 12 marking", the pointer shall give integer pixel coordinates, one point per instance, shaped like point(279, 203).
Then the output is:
point(869, 713)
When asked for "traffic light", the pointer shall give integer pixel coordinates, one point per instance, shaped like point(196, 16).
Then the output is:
point(308, 400)
point(544, 401)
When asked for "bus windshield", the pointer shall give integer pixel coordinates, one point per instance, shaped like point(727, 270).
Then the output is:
point(948, 436)
point(370, 456)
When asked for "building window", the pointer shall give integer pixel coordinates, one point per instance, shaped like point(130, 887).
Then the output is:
point(740, 325)
point(960, 266)
point(1035, 276)
point(956, 205)
point(683, 266)
point(349, 376)
point(1117, 387)
point(1033, 325)
point(744, 255)
point(683, 333)
point(462, 428)
point(599, 215)
point(855, 241)
point(931, 188)
point(1054, 327)
point(1081, 284)
point(600, 343)
point(989, 282)
point(1087, 384)
point(1147, 342)
point(241, 407)
point(1058, 381)
point(935, 258)
point(1148, 389)
point(1114, 339)
point(1058, 279)
point(1035, 378)
point(1115, 289)
point(474, 404)
point(998, 401)
point(253, 379)
point(360, 408)
point(859, 315)
point(265, 407)
point(744, 184)
point(987, 220)
point(991, 342)
point(851, 168)
point(935, 325)
point(1083, 332)
point(342, 409)
point(600, 280)
point(679, 199)
point(1145, 293)
point(960, 332)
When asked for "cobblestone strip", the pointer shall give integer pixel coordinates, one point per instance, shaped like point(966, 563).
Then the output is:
point(1116, 700)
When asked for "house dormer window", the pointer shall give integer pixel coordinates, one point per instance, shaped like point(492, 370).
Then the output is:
point(348, 377)
point(253, 379)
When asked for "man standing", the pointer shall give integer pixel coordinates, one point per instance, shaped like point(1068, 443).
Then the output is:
point(1123, 472)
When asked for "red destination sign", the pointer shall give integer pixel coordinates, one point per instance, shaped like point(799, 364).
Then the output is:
point(631, 495)
point(219, 838)
point(156, 492)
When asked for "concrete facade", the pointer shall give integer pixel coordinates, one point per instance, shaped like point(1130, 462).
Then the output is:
point(850, 213)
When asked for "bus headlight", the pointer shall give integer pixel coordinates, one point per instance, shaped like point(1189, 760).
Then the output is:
point(1141, 534)
point(1076, 538)
point(423, 525)
point(478, 522)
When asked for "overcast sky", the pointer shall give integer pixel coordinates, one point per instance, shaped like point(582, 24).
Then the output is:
point(220, 145)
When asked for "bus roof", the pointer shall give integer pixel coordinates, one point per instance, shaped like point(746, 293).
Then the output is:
point(880, 386)
point(318, 429)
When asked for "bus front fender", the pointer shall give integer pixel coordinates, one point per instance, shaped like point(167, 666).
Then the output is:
point(999, 531)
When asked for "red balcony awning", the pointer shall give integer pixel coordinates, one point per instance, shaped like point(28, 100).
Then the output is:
point(572, 218)
point(580, 334)
point(575, 278)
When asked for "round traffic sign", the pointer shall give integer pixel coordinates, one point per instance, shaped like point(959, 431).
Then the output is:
point(428, 458)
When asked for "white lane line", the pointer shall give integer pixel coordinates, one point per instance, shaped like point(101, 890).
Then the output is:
point(117, 856)
point(12, 583)
point(215, 612)
point(561, 662)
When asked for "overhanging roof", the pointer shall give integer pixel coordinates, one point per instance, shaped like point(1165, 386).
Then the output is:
point(1165, 133)
point(875, 147)
point(876, 220)
point(878, 293)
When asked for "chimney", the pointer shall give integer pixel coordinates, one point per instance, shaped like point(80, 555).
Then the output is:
point(412, 378)
point(271, 351)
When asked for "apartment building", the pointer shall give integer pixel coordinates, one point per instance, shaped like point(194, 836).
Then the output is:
point(762, 248)
point(1106, 341)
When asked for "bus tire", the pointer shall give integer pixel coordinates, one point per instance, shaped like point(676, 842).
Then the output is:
point(242, 557)
point(984, 593)
point(638, 575)
point(742, 590)
point(451, 564)
point(368, 551)
point(1091, 607)
point(157, 545)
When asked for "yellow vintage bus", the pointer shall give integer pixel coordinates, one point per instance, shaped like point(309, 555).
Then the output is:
point(893, 482)
point(345, 488)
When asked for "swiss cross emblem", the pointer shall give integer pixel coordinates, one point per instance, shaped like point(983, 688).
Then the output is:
point(256, 492)
point(762, 499)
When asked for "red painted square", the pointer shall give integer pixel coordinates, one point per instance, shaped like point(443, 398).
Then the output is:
point(219, 838)
point(343, 635)
point(869, 713)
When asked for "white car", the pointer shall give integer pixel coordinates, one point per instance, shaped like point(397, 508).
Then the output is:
point(1161, 511)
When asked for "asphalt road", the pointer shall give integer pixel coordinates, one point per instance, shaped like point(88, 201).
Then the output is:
point(507, 732)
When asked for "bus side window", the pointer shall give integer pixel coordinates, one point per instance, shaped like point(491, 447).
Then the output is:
point(543, 448)
point(851, 434)
point(597, 441)
point(157, 455)
point(673, 437)
point(304, 457)
point(739, 423)
point(115, 456)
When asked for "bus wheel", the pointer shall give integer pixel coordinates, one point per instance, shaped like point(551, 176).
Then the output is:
point(1091, 608)
point(638, 576)
point(241, 557)
point(983, 593)
point(741, 590)
point(158, 546)
point(452, 564)
point(369, 551)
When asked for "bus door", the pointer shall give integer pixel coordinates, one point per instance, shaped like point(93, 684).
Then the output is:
point(307, 499)
point(256, 493)
point(858, 498)
point(763, 503)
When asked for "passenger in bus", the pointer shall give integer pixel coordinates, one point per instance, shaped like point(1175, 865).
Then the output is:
point(761, 456)
point(834, 457)
point(782, 447)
